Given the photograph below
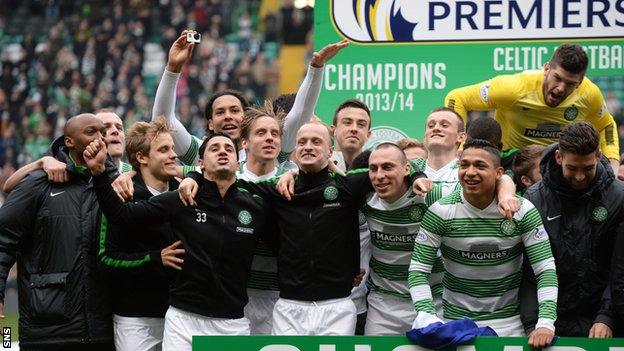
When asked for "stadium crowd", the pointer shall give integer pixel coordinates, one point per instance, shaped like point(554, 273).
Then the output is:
point(218, 207)
point(82, 56)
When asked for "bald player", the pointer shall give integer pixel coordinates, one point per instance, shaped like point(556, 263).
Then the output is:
point(63, 301)
point(114, 137)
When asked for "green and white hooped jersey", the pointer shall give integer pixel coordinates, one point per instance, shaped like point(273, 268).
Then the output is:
point(393, 229)
point(482, 254)
point(264, 264)
point(446, 178)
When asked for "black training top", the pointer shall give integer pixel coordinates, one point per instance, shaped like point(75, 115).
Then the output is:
point(219, 236)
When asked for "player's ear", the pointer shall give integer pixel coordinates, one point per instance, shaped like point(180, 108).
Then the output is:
point(499, 172)
point(69, 142)
point(558, 157)
point(141, 158)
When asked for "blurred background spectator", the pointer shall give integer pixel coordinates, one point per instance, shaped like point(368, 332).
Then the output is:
point(62, 57)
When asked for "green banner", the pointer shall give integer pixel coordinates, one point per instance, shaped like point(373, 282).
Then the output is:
point(385, 343)
point(406, 55)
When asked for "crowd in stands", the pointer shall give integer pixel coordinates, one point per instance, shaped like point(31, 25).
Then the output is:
point(59, 58)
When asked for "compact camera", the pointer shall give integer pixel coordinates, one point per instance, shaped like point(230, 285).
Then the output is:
point(193, 37)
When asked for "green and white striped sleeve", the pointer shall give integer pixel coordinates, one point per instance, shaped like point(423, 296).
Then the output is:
point(423, 257)
point(540, 256)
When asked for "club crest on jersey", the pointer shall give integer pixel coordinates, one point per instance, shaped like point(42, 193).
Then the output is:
point(244, 217)
point(416, 213)
point(600, 213)
point(508, 227)
point(330, 193)
point(570, 113)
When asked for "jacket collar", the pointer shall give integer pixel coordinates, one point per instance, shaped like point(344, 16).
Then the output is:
point(309, 180)
point(61, 152)
point(552, 175)
point(210, 189)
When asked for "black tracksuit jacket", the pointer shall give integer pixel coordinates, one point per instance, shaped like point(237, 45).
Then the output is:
point(52, 231)
point(582, 229)
point(130, 254)
point(219, 236)
point(319, 237)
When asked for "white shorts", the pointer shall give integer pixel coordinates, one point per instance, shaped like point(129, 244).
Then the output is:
point(259, 310)
point(138, 333)
point(327, 317)
point(511, 326)
point(181, 326)
point(388, 315)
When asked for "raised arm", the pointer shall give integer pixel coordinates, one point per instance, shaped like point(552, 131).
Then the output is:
point(308, 94)
point(164, 103)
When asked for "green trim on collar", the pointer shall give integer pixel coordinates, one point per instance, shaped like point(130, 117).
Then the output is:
point(78, 168)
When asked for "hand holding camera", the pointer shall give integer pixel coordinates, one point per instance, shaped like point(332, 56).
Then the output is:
point(193, 37)
point(182, 50)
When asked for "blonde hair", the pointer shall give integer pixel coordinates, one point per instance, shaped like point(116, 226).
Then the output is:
point(140, 136)
point(254, 113)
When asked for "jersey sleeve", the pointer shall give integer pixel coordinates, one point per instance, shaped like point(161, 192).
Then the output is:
point(359, 184)
point(263, 188)
point(537, 246)
point(604, 123)
point(186, 145)
point(498, 92)
point(426, 246)
point(158, 209)
point(303, 108)
point(111, 256)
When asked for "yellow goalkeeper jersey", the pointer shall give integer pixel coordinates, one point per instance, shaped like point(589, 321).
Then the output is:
point(524, 116)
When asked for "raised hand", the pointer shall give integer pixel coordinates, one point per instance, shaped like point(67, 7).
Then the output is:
point(180, 52)
point(94, 156)
point(319, 58)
